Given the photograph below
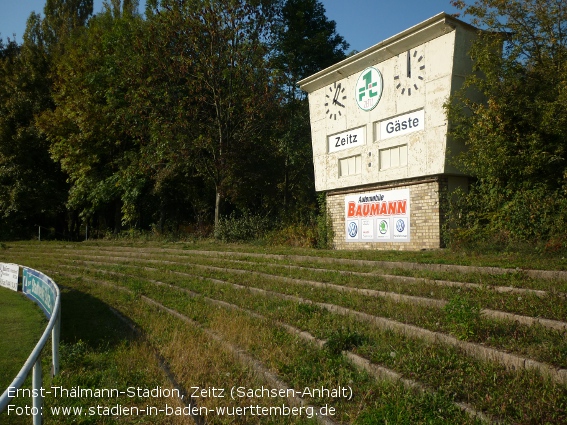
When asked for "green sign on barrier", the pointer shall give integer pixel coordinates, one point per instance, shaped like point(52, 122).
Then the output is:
point(40, 289)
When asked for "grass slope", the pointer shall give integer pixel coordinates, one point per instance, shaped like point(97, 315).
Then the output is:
point(218, 316)
point(21, 325)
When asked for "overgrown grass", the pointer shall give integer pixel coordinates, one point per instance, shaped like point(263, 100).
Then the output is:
point(101, 350)
point(513, 260)
point(541, 344)
point(98, 351)
point(416, 359)
point(21, 325)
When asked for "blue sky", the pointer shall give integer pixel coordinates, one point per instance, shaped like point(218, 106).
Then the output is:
point(362, 23)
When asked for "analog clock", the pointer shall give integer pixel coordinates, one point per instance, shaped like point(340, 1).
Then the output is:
point(412, 79)
point(335, 99)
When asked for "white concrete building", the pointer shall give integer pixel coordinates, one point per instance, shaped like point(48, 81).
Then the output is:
point(379, 135)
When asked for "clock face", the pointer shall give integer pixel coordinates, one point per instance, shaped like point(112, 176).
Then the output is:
point(412, 80)
point(335, 99)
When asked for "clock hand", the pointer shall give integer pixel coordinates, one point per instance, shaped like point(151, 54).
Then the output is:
point(339, 104)
point(337, 92)
point(335, 98)
point(409, 64)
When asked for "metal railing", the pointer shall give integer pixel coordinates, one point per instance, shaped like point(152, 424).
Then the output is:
point(53, 312)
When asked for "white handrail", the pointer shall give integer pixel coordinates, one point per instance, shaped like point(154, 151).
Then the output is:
point(34, 361)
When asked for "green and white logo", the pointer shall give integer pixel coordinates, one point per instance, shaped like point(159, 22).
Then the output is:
point(368, 89)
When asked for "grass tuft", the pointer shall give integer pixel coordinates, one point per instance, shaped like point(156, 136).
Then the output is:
point(463, 316)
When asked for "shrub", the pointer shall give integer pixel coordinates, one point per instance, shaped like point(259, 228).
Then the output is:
point(344, 339)
point(244, 228)
point(296, 235)
point(498, 220)
point(325, 232)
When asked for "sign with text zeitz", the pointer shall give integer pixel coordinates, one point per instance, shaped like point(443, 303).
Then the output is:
point(347, 139)
point(40, 289)
point(378, 216)
point(9, 276)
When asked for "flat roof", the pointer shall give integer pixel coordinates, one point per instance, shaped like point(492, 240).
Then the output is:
point(423, 32)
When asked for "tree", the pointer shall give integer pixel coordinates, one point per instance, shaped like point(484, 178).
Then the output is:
point(306, 42)
point(86, 130)
point(32, 187)
point(164, 109)
point(220, 49)
point(61, 19)
point(516, 135)
point(146, 118)
point(163, 102)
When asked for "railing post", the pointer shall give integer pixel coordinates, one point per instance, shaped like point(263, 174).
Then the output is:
point(55, 345)
point(37, 382)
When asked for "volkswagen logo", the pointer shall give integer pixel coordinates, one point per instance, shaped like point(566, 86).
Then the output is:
point(352, 229)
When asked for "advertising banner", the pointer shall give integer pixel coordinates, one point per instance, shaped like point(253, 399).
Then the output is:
point(40, 289)
point(378, 216)
point(9, 276)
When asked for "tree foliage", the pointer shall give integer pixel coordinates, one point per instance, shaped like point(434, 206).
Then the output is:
point(512, 116)
point(32, 189)
point(222, 54)
point(86, 132)
point(306, 42)
point(177, 117)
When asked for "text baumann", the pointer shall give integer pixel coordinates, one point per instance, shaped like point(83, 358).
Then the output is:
point(377, 208)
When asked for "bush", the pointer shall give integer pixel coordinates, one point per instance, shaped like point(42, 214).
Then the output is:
point(317, 233)
point(325, 232)
point(296, 235)
point(497, 220)
point(241, 229)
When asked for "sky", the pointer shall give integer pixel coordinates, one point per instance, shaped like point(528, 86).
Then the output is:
point(362, 23)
